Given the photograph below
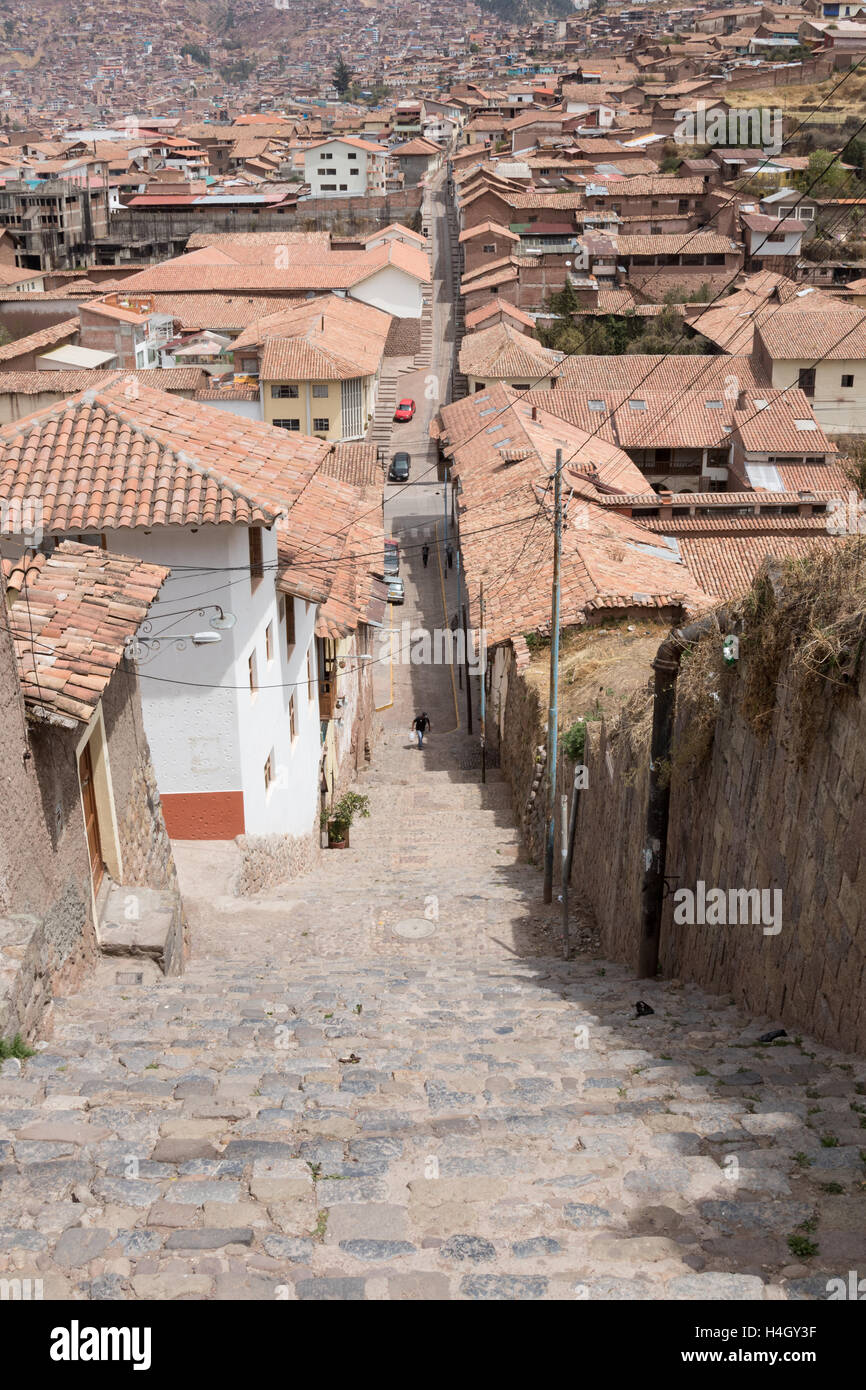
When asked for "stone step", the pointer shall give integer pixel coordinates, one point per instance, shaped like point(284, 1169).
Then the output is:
point(143, 922)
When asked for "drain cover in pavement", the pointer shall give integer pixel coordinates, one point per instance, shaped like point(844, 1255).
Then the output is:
point(128, 977)
point(414, 927)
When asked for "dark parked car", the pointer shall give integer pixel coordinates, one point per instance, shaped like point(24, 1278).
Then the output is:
point(399, 470)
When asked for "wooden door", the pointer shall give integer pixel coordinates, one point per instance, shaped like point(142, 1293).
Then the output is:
point(91, 817)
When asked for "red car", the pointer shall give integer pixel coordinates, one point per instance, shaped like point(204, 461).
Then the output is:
point(405, 410)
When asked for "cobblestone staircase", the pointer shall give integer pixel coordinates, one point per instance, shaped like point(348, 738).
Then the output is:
point(382, 1082)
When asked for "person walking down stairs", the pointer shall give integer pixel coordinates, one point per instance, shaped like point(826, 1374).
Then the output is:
point(420, 726)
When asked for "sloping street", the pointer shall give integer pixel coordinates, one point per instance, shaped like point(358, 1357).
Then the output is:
point(382, 1082)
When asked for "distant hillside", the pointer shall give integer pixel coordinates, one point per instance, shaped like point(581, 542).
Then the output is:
point(525, 11)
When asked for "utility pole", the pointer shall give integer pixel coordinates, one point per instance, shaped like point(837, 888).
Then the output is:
point(563, 850)
point(553, 693)
point(457, 616)
point(483, 654)
point(466, 672)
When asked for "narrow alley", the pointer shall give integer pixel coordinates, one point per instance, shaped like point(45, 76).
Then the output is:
point(383, 1082)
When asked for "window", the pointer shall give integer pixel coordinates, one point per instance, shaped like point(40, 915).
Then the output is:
point(521, 386)
point(489, 248)
point(290, 625)
point(637, 405)
point(847, 380)
point(283, 424)
point(326, 156)
point(344, 187)
point(320, 389)
point(683, 205)
point(329, 188)
point(354, 172)
point(595, 405)
point(252, 667)
point(352, 155)
point(293, 721)
point(321, 422)
point(806, 380)
point(256, 566)
point(250, 365)
point(269, 643)
point(285, 391)
point(269, 771)
point(323, 171)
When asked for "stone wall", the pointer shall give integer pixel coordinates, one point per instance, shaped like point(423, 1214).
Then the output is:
point(751, 815)
point(352, 214)
point(753, 811)
point(47, 938)
point(144, 844)
point(268, 860)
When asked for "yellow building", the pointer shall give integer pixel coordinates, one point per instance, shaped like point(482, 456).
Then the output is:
point(319, 365)
point(503, 356)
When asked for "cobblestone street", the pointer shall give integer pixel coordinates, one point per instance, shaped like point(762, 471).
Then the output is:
point(383, 1082)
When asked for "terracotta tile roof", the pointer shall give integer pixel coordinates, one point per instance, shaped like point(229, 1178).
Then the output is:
point(209, 269)
point(231, 240)
point(13, 275)
point(227, 393)
point(70, 622)
point(484, 228)
point(837, 333)
point(737, 525)
point(726, 567)
point(503, 351)
point(118, 457)
point(504, 276)
point(675, 243)
point(541, 198)
point(327, 338)
point(66, 383)
point(651, 185)
point(698, 416)
point(633, 371)
point(786, 424)
point(480, 272)
point(418, 146)
point(295, 359)
point(414, 237)
point(495, 427)
point(358, 464)
point(43, 337)
point(224, 313)
point(608, 562)
point(497, 306)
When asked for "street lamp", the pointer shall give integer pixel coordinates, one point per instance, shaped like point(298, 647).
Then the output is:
point(223, 622)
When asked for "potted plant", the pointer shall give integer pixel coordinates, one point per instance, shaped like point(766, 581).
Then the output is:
point(340, 817)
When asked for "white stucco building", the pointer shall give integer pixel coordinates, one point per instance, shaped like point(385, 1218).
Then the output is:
point(345, 167)
point(235, 699)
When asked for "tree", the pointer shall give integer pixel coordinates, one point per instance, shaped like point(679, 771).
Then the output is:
point(854, 463)
point(342, 76)
point(824, 179)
